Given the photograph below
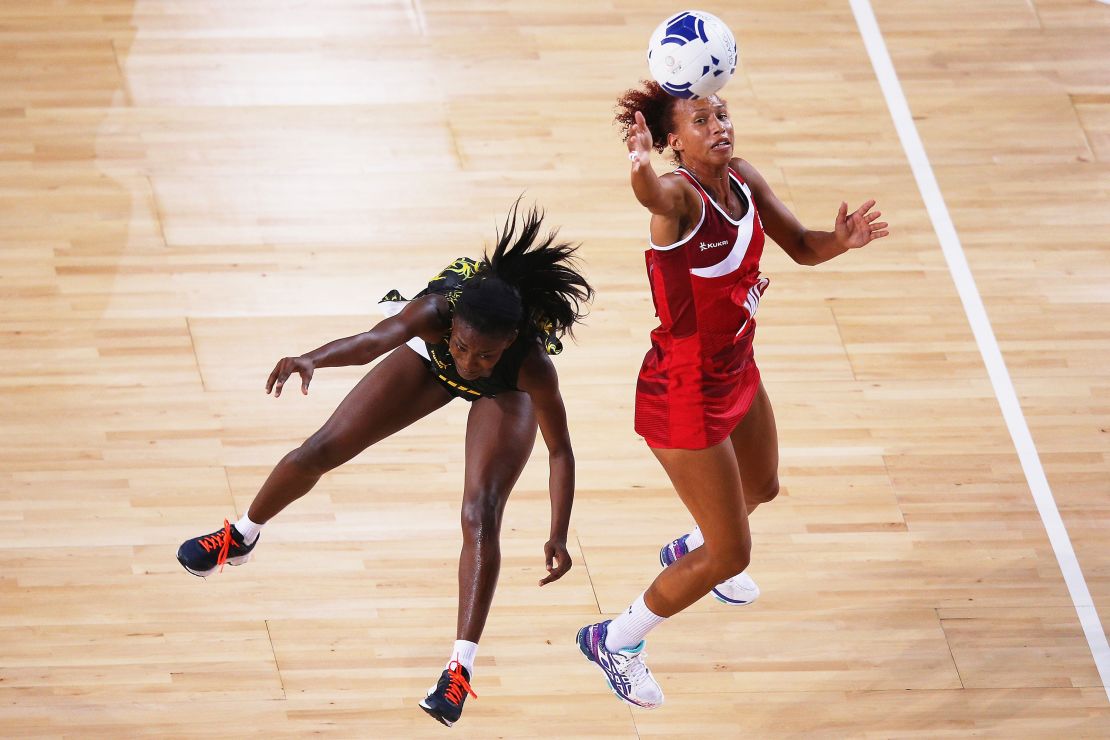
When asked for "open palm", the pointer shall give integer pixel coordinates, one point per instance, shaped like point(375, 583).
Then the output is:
point(859, 228)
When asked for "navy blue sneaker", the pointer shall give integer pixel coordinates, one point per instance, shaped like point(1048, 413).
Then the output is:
point(740, 590)
point(203, 555)
point(445, 700)
point(625, 671)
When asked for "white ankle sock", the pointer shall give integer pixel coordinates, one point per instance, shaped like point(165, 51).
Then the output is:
point(464, 653)
point(631, 626)
point(694, 540)
point(248, 529)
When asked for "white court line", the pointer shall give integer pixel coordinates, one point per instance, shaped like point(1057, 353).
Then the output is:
point(984, 337)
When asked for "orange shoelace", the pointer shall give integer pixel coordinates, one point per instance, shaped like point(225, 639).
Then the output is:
point(221, 540)
point(456, 683)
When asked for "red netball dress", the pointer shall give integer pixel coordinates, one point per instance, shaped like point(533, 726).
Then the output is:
point(699, 377)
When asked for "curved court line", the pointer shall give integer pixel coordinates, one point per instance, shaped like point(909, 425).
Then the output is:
point(984, 337)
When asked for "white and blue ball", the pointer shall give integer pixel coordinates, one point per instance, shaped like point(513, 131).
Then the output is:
point(692, 54)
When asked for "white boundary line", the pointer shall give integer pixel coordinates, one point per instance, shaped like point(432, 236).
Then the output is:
point(984, 337)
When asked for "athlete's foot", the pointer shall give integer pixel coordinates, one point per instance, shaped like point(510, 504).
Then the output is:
point(673, 550)
point(625, 670)
point(202, 555)
point(736, 591)
point(445, 700)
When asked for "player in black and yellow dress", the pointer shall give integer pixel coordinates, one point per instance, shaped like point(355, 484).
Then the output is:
point(481, 331)
point(437, 355)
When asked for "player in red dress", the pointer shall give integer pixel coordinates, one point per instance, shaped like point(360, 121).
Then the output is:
point(699, 378)
point(700, 403)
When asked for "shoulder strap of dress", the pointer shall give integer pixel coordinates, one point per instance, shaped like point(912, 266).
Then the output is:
point(692, 180)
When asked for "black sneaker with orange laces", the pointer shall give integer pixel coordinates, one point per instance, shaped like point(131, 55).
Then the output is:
point(202, 555)
point(445, 700)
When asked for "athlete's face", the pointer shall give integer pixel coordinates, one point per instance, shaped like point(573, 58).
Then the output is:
point(476, 353)
point(703, 130)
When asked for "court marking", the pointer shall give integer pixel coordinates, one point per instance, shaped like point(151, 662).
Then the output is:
point(984, 337)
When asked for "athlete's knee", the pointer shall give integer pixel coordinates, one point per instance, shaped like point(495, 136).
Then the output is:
point(481, 513)
point(730, 558)
point(318, 454)
point(765, 493)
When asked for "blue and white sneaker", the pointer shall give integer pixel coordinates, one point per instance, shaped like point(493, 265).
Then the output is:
point(673, 550)
point(625, 671)
point(739, 590)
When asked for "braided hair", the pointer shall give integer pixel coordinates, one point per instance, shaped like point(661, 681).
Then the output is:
point(657, 105)
point(526, 283)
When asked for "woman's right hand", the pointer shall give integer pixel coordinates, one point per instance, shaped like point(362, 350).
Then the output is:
point(287, 366)
point(639, 141)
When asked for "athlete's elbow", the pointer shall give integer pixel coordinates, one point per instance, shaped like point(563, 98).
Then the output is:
point(369, 349)
point(651, 199)
point(650, 203)
point(802, 254)
point(804, 257)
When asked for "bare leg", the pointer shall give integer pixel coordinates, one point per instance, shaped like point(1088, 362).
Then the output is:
point(755, 441)
point(395, 393)
point(500, 433)
point(708, 482)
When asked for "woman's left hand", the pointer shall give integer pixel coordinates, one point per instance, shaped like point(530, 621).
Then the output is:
point(858, 228)
point(558, 560)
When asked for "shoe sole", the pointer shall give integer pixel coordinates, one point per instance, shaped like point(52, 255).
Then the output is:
point(585, 651)
point(578, 640)
point(435, 715)
point(729, 602)
point(205, 573)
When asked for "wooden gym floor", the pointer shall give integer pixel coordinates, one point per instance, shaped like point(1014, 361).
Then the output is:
point(191, 190)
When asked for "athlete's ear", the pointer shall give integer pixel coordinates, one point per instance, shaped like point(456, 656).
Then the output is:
point(511, 337)
point(675, 143)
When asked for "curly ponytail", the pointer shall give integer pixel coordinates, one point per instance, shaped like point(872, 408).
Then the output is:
point(658, 108)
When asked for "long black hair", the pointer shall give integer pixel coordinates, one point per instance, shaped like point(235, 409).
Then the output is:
point(526, 282)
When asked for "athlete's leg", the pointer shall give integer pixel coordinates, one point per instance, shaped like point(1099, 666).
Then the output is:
point(500, 433)
point(755, 441)
point(709, 483)
point(395, 393)
point(756, 446)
